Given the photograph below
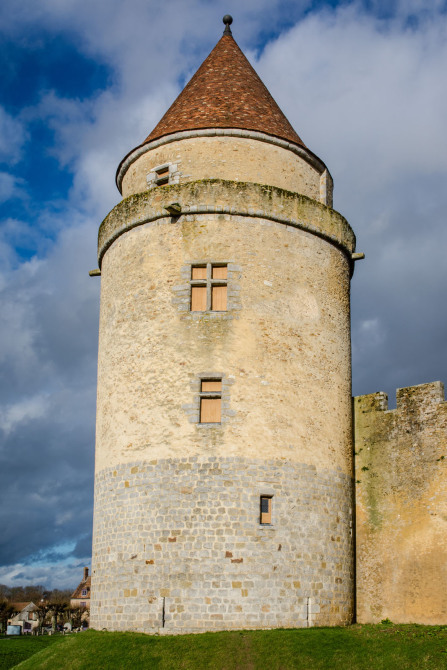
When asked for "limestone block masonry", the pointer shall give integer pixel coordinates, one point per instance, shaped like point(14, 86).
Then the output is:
point(180, 548)
point(178, 545)
point(401, 496)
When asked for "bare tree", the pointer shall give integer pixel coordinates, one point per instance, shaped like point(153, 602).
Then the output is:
point(41, 614)
point(57, 609)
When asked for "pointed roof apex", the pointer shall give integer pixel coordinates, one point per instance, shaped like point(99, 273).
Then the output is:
point(225, 92)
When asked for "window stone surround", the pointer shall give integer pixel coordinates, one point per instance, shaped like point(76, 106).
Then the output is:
point(192, 409)
point(182, 291)
point(174, 174)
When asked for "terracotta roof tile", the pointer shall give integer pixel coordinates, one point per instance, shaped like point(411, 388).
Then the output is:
point(225, 92)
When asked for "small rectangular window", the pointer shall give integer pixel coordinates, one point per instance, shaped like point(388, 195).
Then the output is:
point(210, 401)
point(209, 288)
point(162, 175)
point(266, 509)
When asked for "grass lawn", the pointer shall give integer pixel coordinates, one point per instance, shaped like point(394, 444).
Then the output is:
point(380, 647)
point(15, 649)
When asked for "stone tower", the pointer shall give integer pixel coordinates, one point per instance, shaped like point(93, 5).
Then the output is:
point(223, 491)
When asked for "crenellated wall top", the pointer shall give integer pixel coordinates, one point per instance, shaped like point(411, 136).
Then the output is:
point(422, 397)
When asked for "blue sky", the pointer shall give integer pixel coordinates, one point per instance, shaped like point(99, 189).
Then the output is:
point(84, 82)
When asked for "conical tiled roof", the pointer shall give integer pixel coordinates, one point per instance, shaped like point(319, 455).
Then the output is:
point(225, 92)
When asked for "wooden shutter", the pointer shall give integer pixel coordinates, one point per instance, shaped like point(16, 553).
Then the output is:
point(219, 298)
point(198, 298)
point(266, 509)
point(198, 273)
point(219, 272)
point(212, 385)
point(210, 410)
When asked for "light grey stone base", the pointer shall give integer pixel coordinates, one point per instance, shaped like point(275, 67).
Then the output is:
point(178, 546)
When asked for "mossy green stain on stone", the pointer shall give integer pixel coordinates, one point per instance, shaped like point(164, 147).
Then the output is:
point(240, 198)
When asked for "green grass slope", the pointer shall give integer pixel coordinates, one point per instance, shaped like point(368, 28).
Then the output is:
point(382, 647)
point(13, 650)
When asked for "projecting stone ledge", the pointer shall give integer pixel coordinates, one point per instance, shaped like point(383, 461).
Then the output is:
point(212, 196)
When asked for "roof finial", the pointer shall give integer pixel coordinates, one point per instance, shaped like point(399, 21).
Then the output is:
point(228, 20)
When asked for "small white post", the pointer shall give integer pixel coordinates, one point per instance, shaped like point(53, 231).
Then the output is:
point(309, 615)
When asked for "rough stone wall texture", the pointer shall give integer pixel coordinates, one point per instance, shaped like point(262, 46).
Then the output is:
point(179, 547)
point(401, 506)
point(237, 159)
point(283, 351)
point(177, 535)
point(285, 344)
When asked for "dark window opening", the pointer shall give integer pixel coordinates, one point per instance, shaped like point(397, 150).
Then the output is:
point(266, 510)
point(162, 175)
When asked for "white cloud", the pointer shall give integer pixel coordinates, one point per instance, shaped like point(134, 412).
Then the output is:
point(60, 574)
point(12, 137)
point(23, 410)
point(10, 186)
point(374, 91)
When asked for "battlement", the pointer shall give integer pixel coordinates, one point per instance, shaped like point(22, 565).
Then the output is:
point(421, 398)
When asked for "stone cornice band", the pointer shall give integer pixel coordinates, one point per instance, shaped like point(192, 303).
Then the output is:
point(300, 151)
point(285, 207)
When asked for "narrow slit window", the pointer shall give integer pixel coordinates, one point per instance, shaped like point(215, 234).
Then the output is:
point(209, 288)
point(210, 400)
point(266, 510)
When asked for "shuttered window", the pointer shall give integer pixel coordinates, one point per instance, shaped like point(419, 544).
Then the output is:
point(266, 509)
point(210, 400)
point(198, 272)
point(209, 288)
point(219, 272)
point(219, 298)
point(198, 298)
